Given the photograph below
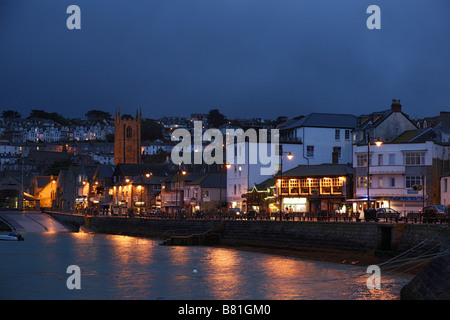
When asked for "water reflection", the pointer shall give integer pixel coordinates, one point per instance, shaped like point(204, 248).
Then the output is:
point(225, 273)
point(121, 267)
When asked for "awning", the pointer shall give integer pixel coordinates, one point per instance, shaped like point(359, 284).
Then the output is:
point(361, 199)
point(405, 199)
point(29, 197)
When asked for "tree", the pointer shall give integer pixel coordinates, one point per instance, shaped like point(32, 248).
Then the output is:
point(56, 166)
point(11, 114)
point(97, 115)
point(151, 130)
point(215, 118)
point(49, 116)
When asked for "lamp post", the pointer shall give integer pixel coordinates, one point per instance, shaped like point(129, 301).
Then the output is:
point(177, 187)
point(378, 143)
point(227, 166)
point(290, 157)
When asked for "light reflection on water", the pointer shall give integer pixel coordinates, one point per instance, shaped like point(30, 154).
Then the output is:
point(121, 267)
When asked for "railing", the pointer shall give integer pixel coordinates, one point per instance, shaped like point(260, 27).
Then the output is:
point(409, 217)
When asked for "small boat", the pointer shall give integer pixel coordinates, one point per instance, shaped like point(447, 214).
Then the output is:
point(11, 237)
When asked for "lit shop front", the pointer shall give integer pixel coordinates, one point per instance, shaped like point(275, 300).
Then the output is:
point(315, 188)
point(295, 204)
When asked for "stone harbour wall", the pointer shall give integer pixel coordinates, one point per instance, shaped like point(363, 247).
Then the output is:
point(363, 236)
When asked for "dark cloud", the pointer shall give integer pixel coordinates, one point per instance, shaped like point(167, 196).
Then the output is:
point(246, 57)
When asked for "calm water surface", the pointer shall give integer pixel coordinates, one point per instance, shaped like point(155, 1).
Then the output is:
point(121, 267)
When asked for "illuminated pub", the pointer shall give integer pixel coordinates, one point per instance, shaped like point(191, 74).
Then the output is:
point(315, 188)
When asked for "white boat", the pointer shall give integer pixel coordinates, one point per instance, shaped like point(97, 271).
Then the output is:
point(11, 237)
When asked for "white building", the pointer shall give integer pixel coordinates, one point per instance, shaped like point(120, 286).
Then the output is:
point(322, 137)
point(317, 138)
point(396, 169)
point(445, 190)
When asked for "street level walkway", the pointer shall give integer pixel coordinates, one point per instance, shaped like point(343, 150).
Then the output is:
point(31, 221)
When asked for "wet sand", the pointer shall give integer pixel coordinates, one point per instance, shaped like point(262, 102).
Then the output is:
point(350, 257)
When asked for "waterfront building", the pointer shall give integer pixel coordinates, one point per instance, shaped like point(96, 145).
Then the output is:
point(385, 125)
point(315, 188)
point(136, 187)
point(262, 197)
point(206, 193)
point(405, 173)
point(11, 193)
point(173, 191)
point(319, 138)
point(315, 139)
point(101, 188)
point(44, 189)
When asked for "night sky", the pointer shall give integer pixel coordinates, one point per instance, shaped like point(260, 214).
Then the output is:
point(247, 58)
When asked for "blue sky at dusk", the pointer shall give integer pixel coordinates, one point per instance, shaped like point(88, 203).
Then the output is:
point(247, 58)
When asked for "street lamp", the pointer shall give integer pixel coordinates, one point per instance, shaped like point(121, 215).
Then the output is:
point(178, 186)
point(227, 166)
point(378, 143)
point(290, 157)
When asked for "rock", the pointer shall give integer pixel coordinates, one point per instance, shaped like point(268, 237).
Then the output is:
point(432, 283)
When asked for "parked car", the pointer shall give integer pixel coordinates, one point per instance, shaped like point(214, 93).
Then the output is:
point(433, 212)
point(389, 213)
point(235, 213)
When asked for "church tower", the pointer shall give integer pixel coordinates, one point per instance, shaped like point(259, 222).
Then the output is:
point(127, 138)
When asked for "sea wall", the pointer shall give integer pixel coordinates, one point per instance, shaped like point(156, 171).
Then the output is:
point(362, 236)
point(135, 226)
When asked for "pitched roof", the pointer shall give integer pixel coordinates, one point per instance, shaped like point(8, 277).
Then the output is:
point(106, 171)
point(265, 184)
point(42, 181)
point(419, 135)
point(322, 170)
point(323, 120)
point(210, 180)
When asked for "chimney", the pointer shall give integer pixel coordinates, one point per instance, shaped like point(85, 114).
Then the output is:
point(396, 106)
point(445, 119)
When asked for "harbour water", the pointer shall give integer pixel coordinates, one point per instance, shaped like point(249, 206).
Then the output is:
point(122, 267)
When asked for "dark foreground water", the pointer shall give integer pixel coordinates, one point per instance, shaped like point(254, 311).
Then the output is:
point(121, 267)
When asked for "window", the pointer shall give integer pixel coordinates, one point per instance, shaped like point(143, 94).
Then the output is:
point(347, 135)
point(445, 185)
point(361, 160)
point(310, 151)
point(361, 182)
point(129, 132)
point(337, 151)
point(392, 159)
point(337, 134)
point(414, 158)
point(392, 182)
point(412, 180)
point(380, 159)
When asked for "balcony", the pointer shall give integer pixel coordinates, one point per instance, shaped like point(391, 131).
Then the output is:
point(387, 169)
point(382, 192)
